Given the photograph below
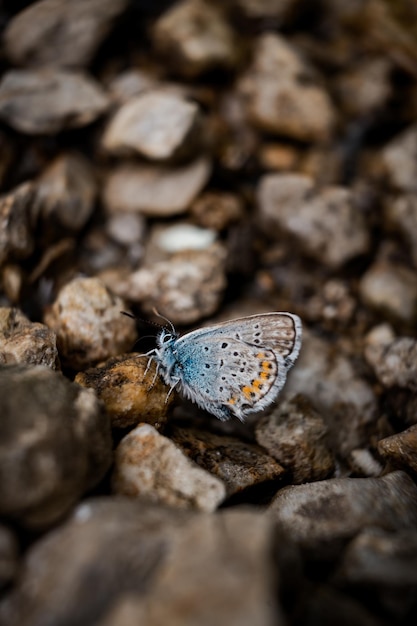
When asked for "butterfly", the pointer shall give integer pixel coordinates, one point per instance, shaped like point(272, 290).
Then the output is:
point(234, 368)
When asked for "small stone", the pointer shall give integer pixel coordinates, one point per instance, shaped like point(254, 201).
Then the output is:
point(277, 10)
point(281, 93)
point(394, 360)
point(400, 162)
point(325, 223)
point(54, 444)
point(363, 462)
point(187, 287)
point(129, 84)
point(391, 290)
point(66, 192)
point(88, 324)
point(157, 125)
point(156, 191)
point(168, 240)
point(12, 279)
point(22, 341)
point(127, 229)
point(46, 101)
point(401, 214)
point(400, 450)
point(333, 305)
point(59, 33)
point(17, 217)
point(216, 210)
point(148, 464)
point(325, 512)
point(9, 557)
point(365, 88)
point(237, 463)
point(194, 37)
point(295, 435)
point(129, 396)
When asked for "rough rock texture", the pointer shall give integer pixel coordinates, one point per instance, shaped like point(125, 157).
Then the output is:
point(17, 218)
point(22, 341)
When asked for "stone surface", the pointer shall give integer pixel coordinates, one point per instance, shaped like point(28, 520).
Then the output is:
point(400, 450)
point(54, 444)
point(157, 125)
point(46, 101)
point(217, 210)
point(193, 36)
point(326, 512)
point(66, 192)
point(282, 94)
point(9, 557)
point(366, 87)
point(295, 435)
point(326, 224)
point(140, 553)
point(22, 341)
point(150, 465)
point(392, 359)
point(87, 321)
point(156, 191)
point(401, 214)
point(129, 395)
point(399, 159)
point(17, 217)
point(237, 463)
point(59, 33)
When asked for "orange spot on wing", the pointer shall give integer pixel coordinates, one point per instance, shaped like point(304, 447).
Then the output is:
point(257, 383)
point(247, 391)
point(232, 401)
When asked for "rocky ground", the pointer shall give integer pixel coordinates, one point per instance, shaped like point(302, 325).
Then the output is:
point(210, 160)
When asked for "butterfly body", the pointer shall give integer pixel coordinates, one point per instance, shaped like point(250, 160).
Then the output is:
point(232, 368)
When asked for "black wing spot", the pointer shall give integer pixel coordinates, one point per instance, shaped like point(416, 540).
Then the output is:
point(234, 375)
point(207, 366)
point(220, 388)
point(256, 341)
point(224, 345)
point(257, 334)
point(235, 353)
point(224, 377)
point(206, 348)
point(221, 362)
point(242, 369)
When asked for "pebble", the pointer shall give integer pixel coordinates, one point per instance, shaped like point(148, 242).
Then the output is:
point(399, 159)
point(129, 396)
point(217, 210)
point(23, 341)
point(295, 435)
point(394, 360)
point(400, 450)
point(194, 37)
point(157, 125)
point(155, 191)
point(130, 83)
point(46, 101)
point(325, 223)
point(282, 93)
point(17, 214)
point(321, 514)
point(237, 463)
point(151, 465)
point(54, 444)
point(87, 321)
point(366, 87)
point(401, 214)
point(59, 33)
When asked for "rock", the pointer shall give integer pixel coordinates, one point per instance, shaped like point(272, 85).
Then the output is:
point(400, 450)
point(129, 84)
point(11, 280)
point(341, 396)
point(217, 210)
point(17, 217)
point(66, 192)
point(148, 464)
point(157, 125)
point(59, 33)
point(401, 214)
point(54, 444)
point(365, 89)
point(364, 463)
point(295, 435)
point(194, 37)
point(166, 240)
point(46, 101)
point(22, 341)
point(157, 191)
point(129, 396)
point(334, 304)
point(321, 514)
point(127, 229)
point(276, 10)
point(326, 223)
point(187, 287)
point(392, 359)
point(399, 160)
point(9, 559)
point(88, 324)
point(282, 95)
point(237, 463)
point(391, 290)
point(140, 553)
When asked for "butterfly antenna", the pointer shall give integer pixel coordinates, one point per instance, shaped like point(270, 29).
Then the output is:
point(166, 319)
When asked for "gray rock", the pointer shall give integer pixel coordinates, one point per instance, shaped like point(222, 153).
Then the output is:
point(326, 223)
point(157, 125)
point(401, 214)
point(139, 554)
point(282, 95)
point(46, 101)
point(295, 435)
point(237, 463)
point(157, 191)
point(54, 444)
point(400, 162)
point(9, 557)
point(400, 450)
point(22, 341)
point(59, 33)
point(194, 37)
point(394, 360)
point(326, 512)
point(17, 218)
point(364, 89)
point(151, 465)
point(87, 321)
